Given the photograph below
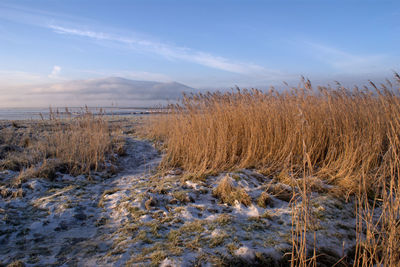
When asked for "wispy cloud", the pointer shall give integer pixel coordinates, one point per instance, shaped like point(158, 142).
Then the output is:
point(66, 24)
point(169, 51)
point(348, 62)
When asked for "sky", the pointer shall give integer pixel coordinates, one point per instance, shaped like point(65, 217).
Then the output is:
point(201, 44)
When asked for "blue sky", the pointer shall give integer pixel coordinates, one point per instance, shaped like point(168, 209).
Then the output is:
point(203, 44)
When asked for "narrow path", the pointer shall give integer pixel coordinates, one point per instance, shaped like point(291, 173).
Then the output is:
point(69, 222)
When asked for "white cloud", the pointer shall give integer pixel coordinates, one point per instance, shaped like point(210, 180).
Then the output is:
point(346, 62)
point(55, 72)
point(171, 52)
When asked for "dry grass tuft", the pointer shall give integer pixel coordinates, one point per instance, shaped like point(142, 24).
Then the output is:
point(228, 193)
point(16, 263)
point(264, 200)
point(280, 191)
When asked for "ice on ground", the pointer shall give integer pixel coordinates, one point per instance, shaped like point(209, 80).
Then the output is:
point(142, 218)
point(168, 263)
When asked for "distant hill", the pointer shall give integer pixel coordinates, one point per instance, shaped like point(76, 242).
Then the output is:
point(129, 89)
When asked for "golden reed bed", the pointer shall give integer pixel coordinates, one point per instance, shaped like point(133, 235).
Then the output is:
point(349, 138)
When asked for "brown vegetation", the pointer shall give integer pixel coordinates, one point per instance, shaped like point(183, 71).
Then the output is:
point(345, 133)
point(82, 144)
point(78, 145)
point(228, 193)
point(346, 138)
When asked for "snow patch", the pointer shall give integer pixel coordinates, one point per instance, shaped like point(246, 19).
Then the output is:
point(246, 253)
point(167, 263)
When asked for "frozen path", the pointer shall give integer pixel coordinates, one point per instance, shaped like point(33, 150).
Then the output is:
point(69, 222)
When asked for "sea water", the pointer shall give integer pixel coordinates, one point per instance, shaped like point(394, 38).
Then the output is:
point(44, 113)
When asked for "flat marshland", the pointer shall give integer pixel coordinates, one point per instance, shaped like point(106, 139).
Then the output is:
point(307, 176)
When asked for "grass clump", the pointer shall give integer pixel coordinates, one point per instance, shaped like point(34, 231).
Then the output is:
point(181, 196)
point(224, 219)
point(17, 263)
point(196, 226)
point(264, 200)
point(217, 240)
point(228, 193)
point(157, 257)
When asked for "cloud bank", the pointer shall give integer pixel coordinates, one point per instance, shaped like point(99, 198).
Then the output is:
point(95, 92)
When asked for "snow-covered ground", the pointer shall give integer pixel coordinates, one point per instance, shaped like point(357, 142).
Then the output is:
point(141, 217)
